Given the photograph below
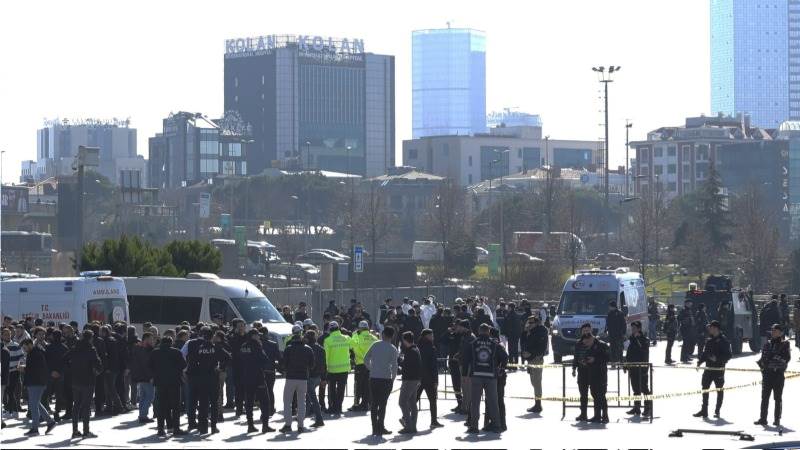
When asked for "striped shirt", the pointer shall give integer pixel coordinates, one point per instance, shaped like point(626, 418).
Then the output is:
point(16, 354)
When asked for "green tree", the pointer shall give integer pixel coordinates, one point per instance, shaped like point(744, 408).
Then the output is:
point(460, 255)
point(713, 209)
point(128, 256)
point(194, 256)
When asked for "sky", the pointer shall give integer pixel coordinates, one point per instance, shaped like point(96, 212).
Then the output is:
point(144, 59)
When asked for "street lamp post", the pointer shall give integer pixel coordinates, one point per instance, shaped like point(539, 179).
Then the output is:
point(308, 155)
point(605, 78)
point(628, 126)
point(502, 214)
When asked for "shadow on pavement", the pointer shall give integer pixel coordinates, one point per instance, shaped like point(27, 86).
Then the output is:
point(63, 444)
point(717, 422)
point(479, 437)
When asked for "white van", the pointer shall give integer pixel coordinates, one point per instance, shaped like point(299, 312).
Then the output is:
point(93, 296)
point(427, 251)
point(166, 302)
point(585, 299)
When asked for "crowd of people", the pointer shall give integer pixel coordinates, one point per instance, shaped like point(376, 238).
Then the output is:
point(196, 371)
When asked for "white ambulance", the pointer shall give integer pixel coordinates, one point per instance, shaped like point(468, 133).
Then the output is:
point(585, 299)
point(92, 296)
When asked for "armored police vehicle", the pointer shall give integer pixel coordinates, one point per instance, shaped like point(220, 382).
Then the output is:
point(733, 308)
point(585, 299)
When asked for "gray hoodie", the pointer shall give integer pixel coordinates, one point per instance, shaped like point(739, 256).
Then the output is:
point(381, 360)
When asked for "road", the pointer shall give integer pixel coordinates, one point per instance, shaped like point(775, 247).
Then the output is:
point(525, 430)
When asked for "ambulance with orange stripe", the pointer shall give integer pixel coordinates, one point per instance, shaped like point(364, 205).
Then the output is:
point(585, 299)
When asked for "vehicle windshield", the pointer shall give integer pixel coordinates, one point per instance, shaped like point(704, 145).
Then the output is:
point(255, 309)
point(588, 303)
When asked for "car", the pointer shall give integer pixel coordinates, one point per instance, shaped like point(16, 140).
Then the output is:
point(612, 258)
point(520, 257)
point(482, 254)
point(331, 252)
point(300, 271)
point(317, 257)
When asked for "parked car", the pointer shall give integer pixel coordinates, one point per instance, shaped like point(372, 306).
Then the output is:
point(317, 257)
point(520, 258)
point(331, 252)
point(612, 259)
point(483, 255)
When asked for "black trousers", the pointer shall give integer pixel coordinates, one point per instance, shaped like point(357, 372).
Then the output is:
point(362, 385)
point(718, 378)
point(616, 348)
point(640, 384)
point(513, 349)
point(168, 406)
point(455, 376)
point(99, 393)
point(701, 343)
point(337, 383)
point(270, 379)
point(251, 393)
point(598, 389)
point(772, 382)
point(112, 399)
point(239, 391)
point(205, 390)
point(670, 342)
point(55, 390)
point(82, 400)
point(688, 347)
point(381, 388)
point(501, 400)
point(429, 387)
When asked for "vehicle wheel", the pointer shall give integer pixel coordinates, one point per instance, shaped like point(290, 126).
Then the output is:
point(736, 344)
point(556, 358)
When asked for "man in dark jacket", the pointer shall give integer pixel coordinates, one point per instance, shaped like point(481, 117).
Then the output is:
point(716, 354)
point(512, 330)
point(236, 339)
point(413, 324)
point(167, 364)
point(482, 358)
point(315, 377)
point(253, 361)
point(142, 376)
point(701, 324)
point(204, 361)
point(82, 364)
point(35, 377)
point(670, 331)
point(616, 328)
point(113, 404)
point(298, 361)
point(441, 320)
point(55, 362)
point(411, 368)
point(775, 356)
point(534, 348)
point(639, 353)
point(686, 321)
point(273, 353)
point(591, 363)
point(429, 380)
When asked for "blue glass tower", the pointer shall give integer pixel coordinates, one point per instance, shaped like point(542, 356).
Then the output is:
point(750, 59)
point(448, 82)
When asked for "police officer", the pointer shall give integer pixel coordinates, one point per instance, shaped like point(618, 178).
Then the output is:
point(502, 377)
point(167, 364)
point(701, 322)
point(670, 331)
point(273, 361)
point(360, 344)
point(716, 354)
point(616, 327)
point(454, 337)
point(725, 317)
point(654, 318)
point(591, 359)
point(775, 356)
point(534, 348)
point(639, 353)
point(466, 349)
point(253, 361)
point(204, 362)
point(686, 320)
point(235, 340)
point(481, 360)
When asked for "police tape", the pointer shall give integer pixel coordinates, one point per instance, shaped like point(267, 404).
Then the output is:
point(646, 365)
point(645, 397)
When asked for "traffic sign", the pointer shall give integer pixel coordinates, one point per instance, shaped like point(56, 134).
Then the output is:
point(205, 205)
point(358, 259)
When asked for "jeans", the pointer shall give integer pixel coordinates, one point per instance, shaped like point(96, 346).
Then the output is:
point(408, 403)
point(290, 389)
point(312, 403)
point(35, 405)
point(381, 388)
point(145, 392)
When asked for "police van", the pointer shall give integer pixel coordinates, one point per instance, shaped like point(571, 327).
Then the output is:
point(585, 299)
point(166, 302)
point(92, 296)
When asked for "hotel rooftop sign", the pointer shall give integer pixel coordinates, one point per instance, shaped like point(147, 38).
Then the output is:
point(253, 46)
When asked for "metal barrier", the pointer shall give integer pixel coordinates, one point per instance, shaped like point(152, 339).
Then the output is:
point(619, 368)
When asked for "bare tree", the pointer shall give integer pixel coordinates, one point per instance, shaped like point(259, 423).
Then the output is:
point(756, 239)
point(446, 217)
point(374, 221)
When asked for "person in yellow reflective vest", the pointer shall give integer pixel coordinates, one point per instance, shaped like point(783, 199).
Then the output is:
point(360, 344)
point(337, 357)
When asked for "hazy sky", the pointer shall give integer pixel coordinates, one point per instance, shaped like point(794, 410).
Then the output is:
point(143, 59)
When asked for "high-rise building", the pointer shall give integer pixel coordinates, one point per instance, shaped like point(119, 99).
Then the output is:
point(57, 145)
point(753, 59)
point(448, 82)
point(313, 102)
point(192, 148)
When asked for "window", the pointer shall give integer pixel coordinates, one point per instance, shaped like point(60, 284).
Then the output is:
point(412, 153)
point(164, 310)
point(469, 161)
point(658, 152)
point(658, 170)
point(469, 177)
point(235, 149)
point(209, 166)
point(106, 310)
point(209, 147)
point(244, 168)
point(672, 187)
point(218, 306)
point(672, 168)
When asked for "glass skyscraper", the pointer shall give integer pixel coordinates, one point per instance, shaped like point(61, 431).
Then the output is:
point(448, 82)
point(751, 59)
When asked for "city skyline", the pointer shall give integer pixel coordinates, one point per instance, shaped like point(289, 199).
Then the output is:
point(110, 68)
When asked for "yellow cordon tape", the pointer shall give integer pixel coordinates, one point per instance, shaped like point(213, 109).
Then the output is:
point(628, 398)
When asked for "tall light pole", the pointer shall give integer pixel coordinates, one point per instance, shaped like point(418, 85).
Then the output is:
point(628, 126)
point(308, 155)
point(605, 78)
point(502, 214)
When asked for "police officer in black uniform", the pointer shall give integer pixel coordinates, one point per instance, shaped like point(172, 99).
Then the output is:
point(591, 359)
point(775, 356)
point(686, 320)
point(204, 362)
point(670, 331)
point(716, 354)
point(616, 327)
point(454, 337)
point(252, 364)
point(701, 322)
point(639, 353)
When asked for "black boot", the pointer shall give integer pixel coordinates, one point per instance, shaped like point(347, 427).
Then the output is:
point(250, 427)
point(702, 413)
point(537, 407)
point(778, 410)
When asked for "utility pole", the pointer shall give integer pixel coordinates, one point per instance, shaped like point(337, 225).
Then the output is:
point(605, 78)
point(628, 126)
